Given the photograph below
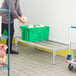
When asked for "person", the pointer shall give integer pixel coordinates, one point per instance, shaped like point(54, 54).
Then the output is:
point(15, 13)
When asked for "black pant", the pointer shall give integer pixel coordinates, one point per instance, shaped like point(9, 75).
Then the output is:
point(5, 26)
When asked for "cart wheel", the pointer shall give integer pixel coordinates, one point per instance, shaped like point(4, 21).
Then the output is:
point(70, 66)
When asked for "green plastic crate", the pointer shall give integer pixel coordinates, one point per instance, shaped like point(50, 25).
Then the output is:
point(34, 34)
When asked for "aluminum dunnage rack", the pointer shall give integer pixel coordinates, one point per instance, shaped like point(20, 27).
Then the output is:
point(50, 45)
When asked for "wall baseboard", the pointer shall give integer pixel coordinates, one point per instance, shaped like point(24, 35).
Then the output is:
point(3, 41)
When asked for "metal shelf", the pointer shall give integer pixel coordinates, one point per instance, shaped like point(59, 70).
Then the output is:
point(3, 10)
point(4, 37)
point(3, 67)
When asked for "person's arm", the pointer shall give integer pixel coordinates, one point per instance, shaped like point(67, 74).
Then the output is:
point(19, 10)
point(14, 12)
point(13, 9)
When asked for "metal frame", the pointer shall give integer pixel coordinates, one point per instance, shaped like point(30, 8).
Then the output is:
point(73, 62)
point(5, 37)
point(44, 45)
point(8, 37)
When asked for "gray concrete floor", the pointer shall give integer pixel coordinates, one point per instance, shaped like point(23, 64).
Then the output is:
point(33, 62)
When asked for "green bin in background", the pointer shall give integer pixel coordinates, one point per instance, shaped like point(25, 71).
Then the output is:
point(5, 32)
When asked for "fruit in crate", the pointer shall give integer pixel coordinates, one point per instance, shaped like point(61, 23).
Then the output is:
point(41, 25)
point(37, 26)
point(30, 26)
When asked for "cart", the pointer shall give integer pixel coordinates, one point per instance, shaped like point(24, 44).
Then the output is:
point(72, 45)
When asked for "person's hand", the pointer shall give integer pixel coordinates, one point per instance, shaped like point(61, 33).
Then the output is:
point(22, 19)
